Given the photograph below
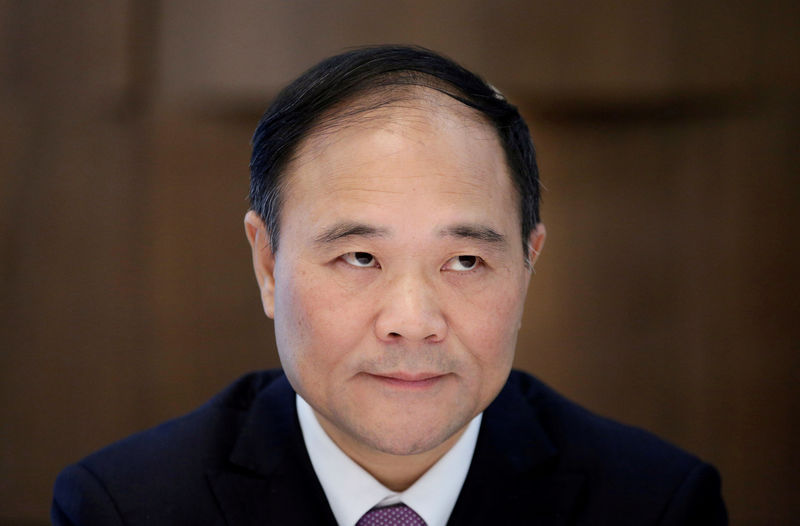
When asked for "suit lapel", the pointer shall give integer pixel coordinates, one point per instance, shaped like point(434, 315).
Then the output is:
point(515, 471)
point(270, 479)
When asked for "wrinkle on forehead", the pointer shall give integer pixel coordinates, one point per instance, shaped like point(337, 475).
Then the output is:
point(375, 188)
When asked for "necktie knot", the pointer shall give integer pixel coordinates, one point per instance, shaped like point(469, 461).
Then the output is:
point(396, 515)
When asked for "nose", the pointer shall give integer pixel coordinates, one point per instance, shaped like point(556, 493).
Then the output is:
point(410, 311)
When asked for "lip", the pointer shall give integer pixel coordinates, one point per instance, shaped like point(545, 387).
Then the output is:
point(408, 380)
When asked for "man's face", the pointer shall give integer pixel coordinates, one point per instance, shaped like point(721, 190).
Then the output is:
point(399, 284)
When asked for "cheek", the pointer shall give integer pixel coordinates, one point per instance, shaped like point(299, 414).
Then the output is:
point(316, 322)
point(489, 322)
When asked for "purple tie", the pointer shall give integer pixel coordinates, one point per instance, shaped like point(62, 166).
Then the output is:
point(396, 515)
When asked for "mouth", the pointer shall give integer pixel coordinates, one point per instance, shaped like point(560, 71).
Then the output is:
point(406, 380)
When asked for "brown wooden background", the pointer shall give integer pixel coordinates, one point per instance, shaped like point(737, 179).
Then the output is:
point(667, 295)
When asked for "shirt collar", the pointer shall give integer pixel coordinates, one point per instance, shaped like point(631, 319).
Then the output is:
point(351, 491)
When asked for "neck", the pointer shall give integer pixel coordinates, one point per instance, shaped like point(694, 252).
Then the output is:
point(396, 472)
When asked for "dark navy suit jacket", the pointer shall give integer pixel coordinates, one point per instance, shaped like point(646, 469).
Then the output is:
point(240, 460)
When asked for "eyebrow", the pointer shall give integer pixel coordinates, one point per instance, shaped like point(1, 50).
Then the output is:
point(481, 233)
point(345, 230)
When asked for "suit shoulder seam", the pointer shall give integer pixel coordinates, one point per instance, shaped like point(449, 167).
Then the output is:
point(102, 485)
point(699, 465)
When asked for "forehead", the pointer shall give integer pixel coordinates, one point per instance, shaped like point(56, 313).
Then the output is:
point(421, 146)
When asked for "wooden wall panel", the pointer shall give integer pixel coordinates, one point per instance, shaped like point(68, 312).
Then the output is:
point(74, 323)
point(208, 323)
point(665, 294)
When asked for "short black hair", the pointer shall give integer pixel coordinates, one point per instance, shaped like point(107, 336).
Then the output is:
point(303, 106)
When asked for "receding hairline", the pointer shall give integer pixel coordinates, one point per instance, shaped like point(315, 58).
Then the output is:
point(329, 93)
point(383, 103)
point(381, 107)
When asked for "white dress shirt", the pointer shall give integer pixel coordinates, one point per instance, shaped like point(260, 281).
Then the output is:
point(351, 491)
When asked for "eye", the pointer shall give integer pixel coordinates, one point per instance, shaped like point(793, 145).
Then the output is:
point(462, 263)
point(360, 259)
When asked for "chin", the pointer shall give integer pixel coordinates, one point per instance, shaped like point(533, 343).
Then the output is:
point(407, 447)
point(405, 441)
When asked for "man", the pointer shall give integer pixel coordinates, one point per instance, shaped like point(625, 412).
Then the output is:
point(394, 227)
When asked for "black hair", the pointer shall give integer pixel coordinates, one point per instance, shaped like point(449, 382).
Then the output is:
point(311, 101)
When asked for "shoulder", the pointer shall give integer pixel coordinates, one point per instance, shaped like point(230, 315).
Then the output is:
point(620, 463)
point(165, 464)
point(591, 441)
point(201, 435)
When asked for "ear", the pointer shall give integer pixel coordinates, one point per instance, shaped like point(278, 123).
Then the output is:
point(536, 243)
point(263, 260)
